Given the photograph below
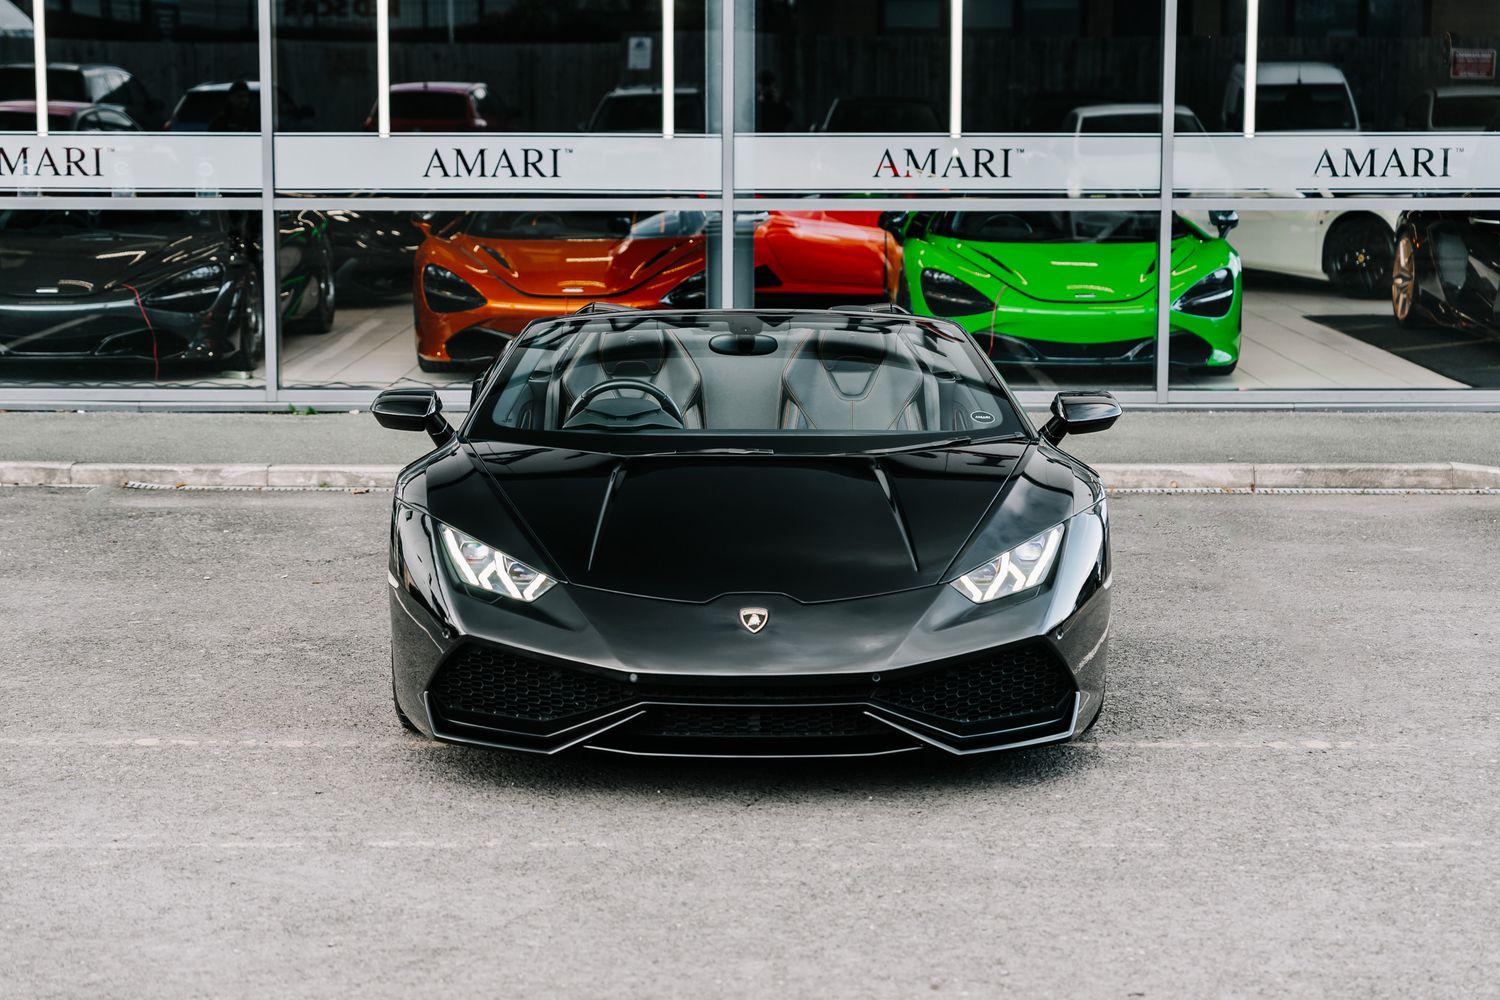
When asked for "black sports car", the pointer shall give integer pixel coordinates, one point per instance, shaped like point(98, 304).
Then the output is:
point(1447, 269)
point(176, 288)
point(743, 533)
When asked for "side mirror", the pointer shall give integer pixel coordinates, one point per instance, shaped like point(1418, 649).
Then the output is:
point(893, 223)
point(1080, 413)
point(1223, 220)
point(413, 410)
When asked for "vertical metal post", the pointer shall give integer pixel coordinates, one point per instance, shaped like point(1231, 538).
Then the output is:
point(956, 69)
point(668, 68)
point(270, 281)
point(383, 67)
point(1164, 235)
point(1252, 59)
point(39, 61)
point(727, 124)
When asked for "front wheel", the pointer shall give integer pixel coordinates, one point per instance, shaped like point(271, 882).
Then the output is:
point(1358, 255)
point(1405, 290)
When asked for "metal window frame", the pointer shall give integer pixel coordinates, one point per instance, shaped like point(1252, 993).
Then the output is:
point(274, 394)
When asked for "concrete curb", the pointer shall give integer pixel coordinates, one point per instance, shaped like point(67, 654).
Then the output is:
point(1248, 475)
point(1215, 475)
point(251, 475)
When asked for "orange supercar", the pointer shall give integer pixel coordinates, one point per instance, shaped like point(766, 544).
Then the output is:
point(483, 276)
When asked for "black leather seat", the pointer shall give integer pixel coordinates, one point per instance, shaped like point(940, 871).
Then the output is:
point(856, 380)
point(649, 354)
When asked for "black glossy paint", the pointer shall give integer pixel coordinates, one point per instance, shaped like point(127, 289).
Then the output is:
point(81, 288)
point(1457, 263)
point(852, 556)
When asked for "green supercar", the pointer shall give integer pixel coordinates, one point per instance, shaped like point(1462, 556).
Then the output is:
point(1074, 287)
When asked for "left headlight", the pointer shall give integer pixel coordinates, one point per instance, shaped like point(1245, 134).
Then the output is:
point(481, 567)
point(1211, 295)
point(191, 291)
point(1014, 570)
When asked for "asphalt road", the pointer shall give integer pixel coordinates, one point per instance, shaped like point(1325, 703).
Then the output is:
point(204, 794)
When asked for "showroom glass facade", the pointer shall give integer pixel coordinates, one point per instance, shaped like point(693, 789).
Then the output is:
point(1315, 218)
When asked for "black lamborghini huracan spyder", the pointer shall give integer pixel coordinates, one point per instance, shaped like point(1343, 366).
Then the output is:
point(747, 533)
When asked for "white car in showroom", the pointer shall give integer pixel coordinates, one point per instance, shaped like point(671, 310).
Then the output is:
point(1352, 248)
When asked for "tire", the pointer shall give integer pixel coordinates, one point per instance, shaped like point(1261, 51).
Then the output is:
point(252, 331)
point(1357, 256)
point(1406, 288)
point(405, 722)
point(320, 320)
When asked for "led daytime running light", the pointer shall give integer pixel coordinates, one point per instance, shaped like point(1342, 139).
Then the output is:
point(491, 570)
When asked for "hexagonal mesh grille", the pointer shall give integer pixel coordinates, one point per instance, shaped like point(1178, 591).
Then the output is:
point(1019, 681)
point(494, 682)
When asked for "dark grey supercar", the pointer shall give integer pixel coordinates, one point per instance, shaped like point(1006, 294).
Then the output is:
point(748, 533)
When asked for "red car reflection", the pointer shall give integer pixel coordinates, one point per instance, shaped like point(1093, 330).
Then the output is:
point(483, 276)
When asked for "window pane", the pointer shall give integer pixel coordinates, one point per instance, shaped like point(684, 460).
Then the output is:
point(147, 58)
point(104, 297)
point(488, 66)
point(1338, 89)
point(1054, 298)
point(376, 298)
point(827, 66)
point(1357, 299)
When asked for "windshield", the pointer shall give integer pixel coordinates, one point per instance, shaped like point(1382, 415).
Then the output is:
point(881, 116)
point(584, 225)
point(776, 381)
point(1470, 111)
point(642, 113)
point(1304, 106)
point(1054, 227)
point(429, 104)
point(25, 121)
point(1137, 122)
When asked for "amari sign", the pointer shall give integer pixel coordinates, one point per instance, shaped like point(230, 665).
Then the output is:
point(1010, 164)
point(1363, 163)
point(124, 163)
point(509, 164)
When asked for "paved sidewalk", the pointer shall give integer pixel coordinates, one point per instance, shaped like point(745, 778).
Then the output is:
point(1146, 448)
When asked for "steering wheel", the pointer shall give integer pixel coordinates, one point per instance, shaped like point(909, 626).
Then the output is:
point(668, 404)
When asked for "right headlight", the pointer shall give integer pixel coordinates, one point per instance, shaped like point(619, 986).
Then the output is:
point(1211, 295)
point(946, 295)
point(447, 292)
point(481, 567)
point(1014, 570)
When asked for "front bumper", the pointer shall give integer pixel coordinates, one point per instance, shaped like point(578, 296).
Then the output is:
point(111, 327)
point(921, 669)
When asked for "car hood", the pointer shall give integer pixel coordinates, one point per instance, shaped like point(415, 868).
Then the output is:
point(96, 262)
point(582, 268)
point(696, 527)
point(1073, 272)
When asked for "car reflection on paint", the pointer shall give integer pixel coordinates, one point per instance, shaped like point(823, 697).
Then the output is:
point(173, 289)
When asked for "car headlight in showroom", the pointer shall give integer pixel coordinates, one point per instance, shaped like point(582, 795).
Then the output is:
point(1211, 295)
point(191, 291)
point(482, 567)
point(447, 292)
point(1014, 570)
point(946, 295)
